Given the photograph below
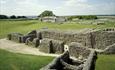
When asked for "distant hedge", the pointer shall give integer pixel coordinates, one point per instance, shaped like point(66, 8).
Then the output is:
point(83, 17)
point(12, 17)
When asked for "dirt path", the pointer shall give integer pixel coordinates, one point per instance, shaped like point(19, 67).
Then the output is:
point(21, 48)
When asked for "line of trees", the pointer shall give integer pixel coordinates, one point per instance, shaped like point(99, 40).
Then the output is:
point(3, 17)
point(11, 17)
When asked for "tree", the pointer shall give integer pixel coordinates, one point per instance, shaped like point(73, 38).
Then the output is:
point(13, 17)
point(3, 17)
point(46, 13)
point(21, 17)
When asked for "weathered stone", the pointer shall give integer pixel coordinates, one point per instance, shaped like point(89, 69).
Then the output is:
point(102, 39)
point(78, 51)
point(15, 37)
point(110, 49)
point(91, 60)
point(46, 46)
point(58, 46)
point(31, 36)
point(64, 62)
point(32, 42)
point(36, 42)
point(97, 39)
point(51, 46)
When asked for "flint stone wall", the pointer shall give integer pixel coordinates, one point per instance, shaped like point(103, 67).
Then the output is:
point(110, 49)
point(91, 61)
point(78, 51)
point(20, 37)
point(64, 62)
point(46, 46)
point(58, 46)
point(35, 42)
point(98, 39)
point(102, 39)
point(15, 37)
point(51, 46)
point(68, 36)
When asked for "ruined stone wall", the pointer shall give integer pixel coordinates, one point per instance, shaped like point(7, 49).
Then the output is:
point(68, 37)
point(99, 39)
point(110, 49)
point(78, 51)
point(51, 46)
point(91, 61)
point(15, 37)
point(46, 45)
point(64, 62)
point(102, 39)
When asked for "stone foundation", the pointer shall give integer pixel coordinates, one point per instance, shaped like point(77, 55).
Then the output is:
point(97, 39)
point(74, 44)
point(64, 62)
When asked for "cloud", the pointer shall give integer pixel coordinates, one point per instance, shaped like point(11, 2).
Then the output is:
point(59, 7)
point(84, 7)
point(23, 7)
point(74, 2)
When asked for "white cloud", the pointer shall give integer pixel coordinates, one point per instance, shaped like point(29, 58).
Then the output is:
point(74, 2)
point(83, 7)
point(69, 7)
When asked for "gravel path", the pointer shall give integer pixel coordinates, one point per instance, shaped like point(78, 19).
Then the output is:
point(22, 48)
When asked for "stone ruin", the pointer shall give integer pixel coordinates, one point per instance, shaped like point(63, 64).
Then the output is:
point(67, 62)
point(75, 46)
point(51, 46)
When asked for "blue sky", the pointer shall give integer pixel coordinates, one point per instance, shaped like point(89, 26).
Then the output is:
point(59, 7)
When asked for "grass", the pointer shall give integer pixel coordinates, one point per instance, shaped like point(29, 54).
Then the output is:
point(24, 26)
point(11, 61)
point(105, 62)
point(14, 61)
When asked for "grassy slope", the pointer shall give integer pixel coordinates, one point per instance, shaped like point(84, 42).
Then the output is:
point(105, 62)
point(28, 25)
point(13, 61)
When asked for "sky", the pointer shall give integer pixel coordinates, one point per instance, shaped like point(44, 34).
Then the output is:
point(59, 7)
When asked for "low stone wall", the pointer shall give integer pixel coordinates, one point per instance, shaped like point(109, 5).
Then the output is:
point(91, 61)
point(98, 39)
point(78, 51)
point(34, 42)
point(20, 37)
point(64, 62)
point(110, 49)
point(15, 37)
point(58, 46)
point(51, 46)
point(103, 38)
point(46, 46)
point(68, 36)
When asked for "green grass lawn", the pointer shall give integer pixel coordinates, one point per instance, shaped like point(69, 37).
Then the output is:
point(105, 62)
point(24, 26)
point(10, 61)
point(13, 61)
